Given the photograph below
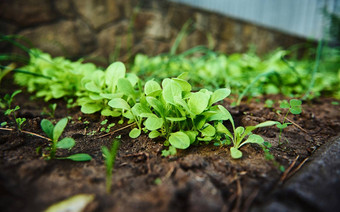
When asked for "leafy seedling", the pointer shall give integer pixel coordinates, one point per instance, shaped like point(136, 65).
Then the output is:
point(110, 158)
point(51, 112)
point(239, 134)
point(54, 133)
point(7, 102)
point(294, 107)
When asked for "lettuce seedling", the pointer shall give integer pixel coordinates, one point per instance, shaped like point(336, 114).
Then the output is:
point(54, 133)
point(239, 134)
point(110, 158)
point(294, 107)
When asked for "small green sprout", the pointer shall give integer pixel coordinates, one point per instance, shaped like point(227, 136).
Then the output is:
point(51, 112)
point(294, 107)
point(54, 133)
point(269, 103)
point(240, 133)
point(110, 158)
point(7, 103)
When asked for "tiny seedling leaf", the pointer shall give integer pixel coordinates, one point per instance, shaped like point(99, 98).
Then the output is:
point(59, 128)
point(254, 139)
point(295, 102)
point(284, 104)
point(154, 134)
point(66, 143)
point(47, 127)
point(79, 157)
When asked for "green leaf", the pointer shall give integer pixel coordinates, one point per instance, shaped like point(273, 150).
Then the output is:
point(134, 133)
point(89, 108)
point(282, 126)
point(156, 104)
point(119, 103)
point(66, 143)
point(235, 153)
point(154, 134)
point(91, 86)
point(219, 95)
point(176, 118)
point(295, 110)
point(109, 112)
point(222, 129)
point(192, 135)
point(171, 89)
point(179, 140)
point(284, 104)
point(184, 84)
point(153, 123)
point(139, 109)
point(47, 127)
point(79, 157)
point(113, 73)
point(198, 102)
point(151, 88)
point(254, 139)
point(267, 124)
point(208, 130)
point(59, 128)
point(295, 102)
point(125, 87)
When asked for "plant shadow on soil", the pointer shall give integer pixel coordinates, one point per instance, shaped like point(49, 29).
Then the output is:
point(201, 178)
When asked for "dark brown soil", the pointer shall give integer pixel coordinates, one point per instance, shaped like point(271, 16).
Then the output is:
point(201, 178)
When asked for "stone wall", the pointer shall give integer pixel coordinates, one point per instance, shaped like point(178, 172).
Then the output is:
point(103, 30)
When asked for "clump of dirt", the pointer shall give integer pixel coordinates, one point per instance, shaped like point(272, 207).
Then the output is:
point(201, 178)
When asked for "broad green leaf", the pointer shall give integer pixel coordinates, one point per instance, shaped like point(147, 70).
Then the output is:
point(151, 87)
point(109, 112)
point(295, 102)
point(179, 140)
point(133, 78)
point(89, 108)
point(125, 87)
point(171, 89)
point(139, 109)
point(222, 129)
point(154, 134)
point(153, 123)
point(110, 95)
point(135, 132)
point(119, 103)
point(254, 139)
point(181, 102)
point(295, 110)
point(219, 95)
point(184, 84)
point(156, 104)
point(95, 97)
point(208, 130)
point(198, 102)
point(91, 86)
point(183, 75)
point(113, 73)
point(284, 104)
point(79, 157)
point(47, 127)
point(66, 143)
point(192, 135)
point(59, 128)
point(227, 115)
point(175, 118)
point(235, 153)
point(266, 124)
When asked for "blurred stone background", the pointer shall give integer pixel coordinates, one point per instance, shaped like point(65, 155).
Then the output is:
point(105, 30)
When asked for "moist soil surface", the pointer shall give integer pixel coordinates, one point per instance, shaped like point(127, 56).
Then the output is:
point(200, 178)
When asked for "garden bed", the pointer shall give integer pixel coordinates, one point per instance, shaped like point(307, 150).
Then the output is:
point(200, 178)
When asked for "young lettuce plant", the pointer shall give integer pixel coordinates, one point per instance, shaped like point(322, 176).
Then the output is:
point(177, 114)
point(54, 133)
point(7, 103)
point(238, 137)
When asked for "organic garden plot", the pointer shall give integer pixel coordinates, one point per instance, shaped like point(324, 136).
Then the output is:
point(168, 147)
